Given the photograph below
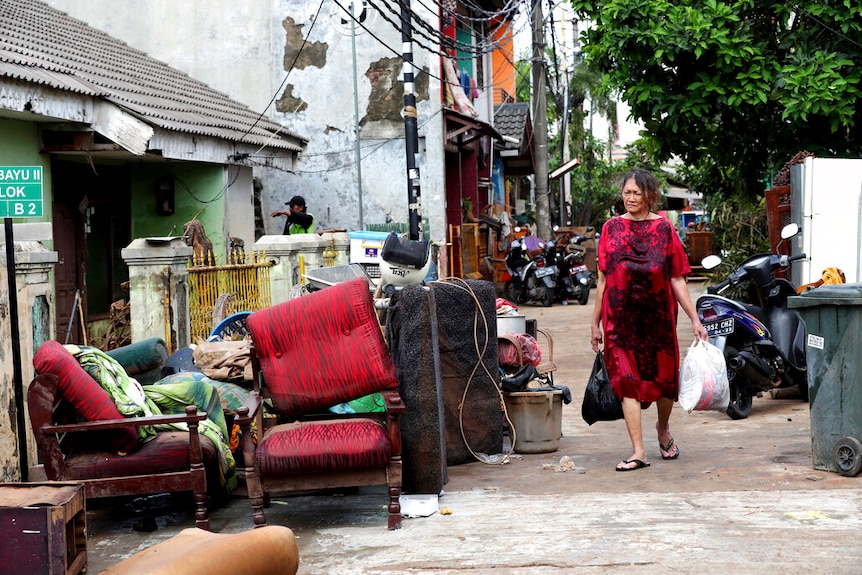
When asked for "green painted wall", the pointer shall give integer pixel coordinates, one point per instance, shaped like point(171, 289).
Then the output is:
point(19, 146)
point(199, 190)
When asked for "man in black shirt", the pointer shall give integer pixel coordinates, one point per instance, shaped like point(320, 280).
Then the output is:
point(299, 221)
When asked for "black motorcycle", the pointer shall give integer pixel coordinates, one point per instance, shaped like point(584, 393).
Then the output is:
point(763, 341)
point(531, 279)
point(575, 279)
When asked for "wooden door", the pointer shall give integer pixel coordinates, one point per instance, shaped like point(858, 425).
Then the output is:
point(69, 277)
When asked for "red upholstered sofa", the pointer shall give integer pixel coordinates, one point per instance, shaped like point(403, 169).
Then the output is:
point(81, 436)
point(309, 354)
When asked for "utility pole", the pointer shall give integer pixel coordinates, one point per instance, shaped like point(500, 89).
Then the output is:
point(540, 123)
point(411, 129)
point(565, 182)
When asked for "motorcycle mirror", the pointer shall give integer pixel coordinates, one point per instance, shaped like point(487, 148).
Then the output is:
point(710, 262)
point(789, 231)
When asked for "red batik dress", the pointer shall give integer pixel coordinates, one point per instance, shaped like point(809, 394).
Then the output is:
point(639, 309)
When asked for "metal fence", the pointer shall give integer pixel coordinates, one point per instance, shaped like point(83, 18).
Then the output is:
point(217, 291)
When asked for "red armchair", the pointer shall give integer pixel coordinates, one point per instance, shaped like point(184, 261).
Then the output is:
point(308, 354)
point(81, 436)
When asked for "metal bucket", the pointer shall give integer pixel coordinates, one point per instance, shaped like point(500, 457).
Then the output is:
point(537, 417)
point(511, 324)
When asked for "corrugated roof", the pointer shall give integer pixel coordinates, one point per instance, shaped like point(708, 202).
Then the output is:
point(511, 121)
point(46, 46)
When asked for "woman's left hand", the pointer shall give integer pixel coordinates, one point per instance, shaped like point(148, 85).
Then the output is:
point(699, 330)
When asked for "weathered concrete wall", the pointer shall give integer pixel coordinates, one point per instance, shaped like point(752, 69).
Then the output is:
point(158, 290)
point(251, 51)
point(318, 102)
point(34, 292)
point(156, 265)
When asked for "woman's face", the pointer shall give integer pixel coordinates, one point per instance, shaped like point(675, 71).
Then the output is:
point(634, 199)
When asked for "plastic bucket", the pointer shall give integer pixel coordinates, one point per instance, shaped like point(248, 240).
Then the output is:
point(537, 417)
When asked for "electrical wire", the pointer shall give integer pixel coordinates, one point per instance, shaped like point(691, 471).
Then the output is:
point(513, 7)
point(505, 15)
point(219, 195)
point(345, 151)
point(823, 24)
point(281, 86)
point(400, 55)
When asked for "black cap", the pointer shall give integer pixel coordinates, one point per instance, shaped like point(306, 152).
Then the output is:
point(296, 201)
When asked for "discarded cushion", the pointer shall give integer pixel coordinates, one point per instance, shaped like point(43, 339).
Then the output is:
point(83, 392)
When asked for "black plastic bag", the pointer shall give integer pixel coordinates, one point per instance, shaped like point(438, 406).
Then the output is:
point(518, 381)
point(600, 401)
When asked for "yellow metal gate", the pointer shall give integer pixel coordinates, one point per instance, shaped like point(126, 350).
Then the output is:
point(216, 292)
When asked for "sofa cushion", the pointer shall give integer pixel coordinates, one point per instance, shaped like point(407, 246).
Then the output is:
point(85, 395)
point(322, 349)
point(308, 447)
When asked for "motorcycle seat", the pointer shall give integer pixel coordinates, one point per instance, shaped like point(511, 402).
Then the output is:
point(755, 311)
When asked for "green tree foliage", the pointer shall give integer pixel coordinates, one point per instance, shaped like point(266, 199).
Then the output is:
point(597, 181)
point(734, 88)
point(522, 79)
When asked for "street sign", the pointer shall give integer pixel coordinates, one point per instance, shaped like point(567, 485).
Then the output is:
point(20, 191)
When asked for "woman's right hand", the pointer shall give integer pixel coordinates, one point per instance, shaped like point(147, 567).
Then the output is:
point(596, 337)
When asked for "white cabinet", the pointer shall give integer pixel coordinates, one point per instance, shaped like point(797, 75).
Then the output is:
point(826, 202)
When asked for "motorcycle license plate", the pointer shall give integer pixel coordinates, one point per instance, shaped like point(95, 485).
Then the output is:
point(577, 269)
point(720, 327)
point(542, 272)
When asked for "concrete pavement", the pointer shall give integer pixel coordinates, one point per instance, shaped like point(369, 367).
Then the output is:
point(742, 498)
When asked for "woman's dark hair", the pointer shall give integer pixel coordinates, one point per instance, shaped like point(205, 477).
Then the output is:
point(646, 182)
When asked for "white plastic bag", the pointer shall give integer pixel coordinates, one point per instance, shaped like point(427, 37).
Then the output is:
point(703, 381)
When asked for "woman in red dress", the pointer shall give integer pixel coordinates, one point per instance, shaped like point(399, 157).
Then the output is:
point(642, 277)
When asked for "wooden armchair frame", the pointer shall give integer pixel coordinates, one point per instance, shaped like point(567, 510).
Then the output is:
point(53, 421)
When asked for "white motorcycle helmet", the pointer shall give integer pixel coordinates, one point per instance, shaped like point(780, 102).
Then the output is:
point(404, 262)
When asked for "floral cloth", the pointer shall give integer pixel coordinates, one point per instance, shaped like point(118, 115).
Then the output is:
point(134, 400)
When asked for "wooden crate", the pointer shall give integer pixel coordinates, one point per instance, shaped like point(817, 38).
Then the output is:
point(700, 245)
point(43, 528)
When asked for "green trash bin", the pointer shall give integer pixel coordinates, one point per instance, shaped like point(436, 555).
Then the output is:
point(833, 320)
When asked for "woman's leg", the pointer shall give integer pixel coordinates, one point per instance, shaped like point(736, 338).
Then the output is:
point(662, 426)
point(632, 414)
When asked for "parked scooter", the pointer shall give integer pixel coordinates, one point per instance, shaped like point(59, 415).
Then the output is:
point(531, 279)
point(575, 280)
point(763, 341)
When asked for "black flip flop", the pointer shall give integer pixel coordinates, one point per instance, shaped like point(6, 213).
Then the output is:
point(638, 465)
point(667, 448)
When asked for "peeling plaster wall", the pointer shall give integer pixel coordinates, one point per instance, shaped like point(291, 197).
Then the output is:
point(248, 51)
point(9, 462)
point(318, 102)
point(34, 292)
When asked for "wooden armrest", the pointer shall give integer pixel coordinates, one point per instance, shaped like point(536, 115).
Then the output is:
point(393, 402)
point(249, 408)
point(191, 415)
